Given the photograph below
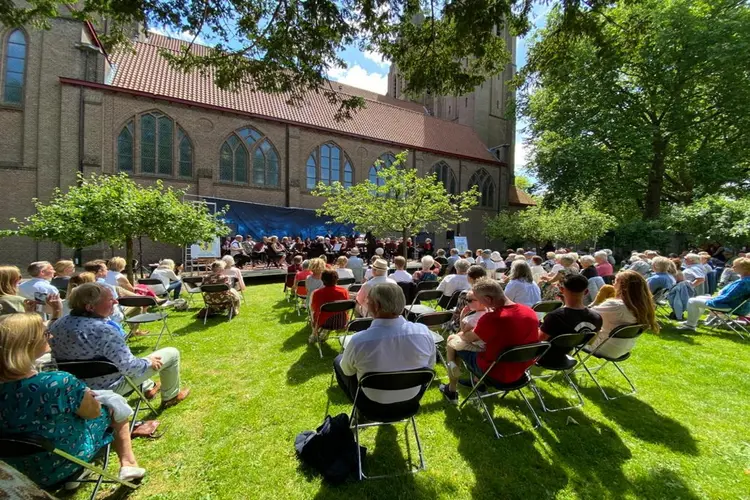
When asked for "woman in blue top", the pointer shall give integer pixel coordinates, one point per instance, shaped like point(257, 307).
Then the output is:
point(52, 405)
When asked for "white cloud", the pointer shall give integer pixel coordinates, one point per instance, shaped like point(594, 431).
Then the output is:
point(377, 58)
point(185, 35)
point(357, 76)
point(521, 154)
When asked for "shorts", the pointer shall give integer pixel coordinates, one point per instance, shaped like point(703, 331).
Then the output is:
point(458, 344)
point(470, 360)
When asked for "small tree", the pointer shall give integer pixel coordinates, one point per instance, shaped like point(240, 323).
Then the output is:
point(116, 210)
point(714, 219)
point(402, 202)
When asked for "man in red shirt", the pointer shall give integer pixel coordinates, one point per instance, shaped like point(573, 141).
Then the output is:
point(506, 325)
point(329, 293)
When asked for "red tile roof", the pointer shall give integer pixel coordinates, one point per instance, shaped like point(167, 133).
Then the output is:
point(520, 198)
point(383, 119)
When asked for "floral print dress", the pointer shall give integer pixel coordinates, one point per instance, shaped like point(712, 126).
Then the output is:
point(220, 301)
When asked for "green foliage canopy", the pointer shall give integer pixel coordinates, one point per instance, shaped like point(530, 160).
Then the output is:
point(715, 219)
point(652, 104)
point(404, 202)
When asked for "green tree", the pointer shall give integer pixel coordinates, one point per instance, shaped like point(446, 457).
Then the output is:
point(652, 104)
point(117, 211)
point(524, 183)
point(402, 202)
point(568, 223)
point(715, 219)
point(289, 47)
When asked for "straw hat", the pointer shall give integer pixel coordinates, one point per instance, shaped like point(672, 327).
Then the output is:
point(354, 251)
point(380, 265)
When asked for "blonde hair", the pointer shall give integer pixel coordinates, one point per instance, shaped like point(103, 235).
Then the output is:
point(166, 264)
point(661, 264)
point(632, 288)
point(20, 337)
point(116, 264)
point(316, 266)
point(78, 280)
point(228, 260)
point(9, 277)
point(342, 261)
point(606, 292)
point(218, 265)
point(61, 265)
point(86, 294)
point(743, 263)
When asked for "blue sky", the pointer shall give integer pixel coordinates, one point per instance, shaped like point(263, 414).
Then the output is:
point(368, 70)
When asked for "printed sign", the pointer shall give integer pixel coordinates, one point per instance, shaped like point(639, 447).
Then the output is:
point(460, 244)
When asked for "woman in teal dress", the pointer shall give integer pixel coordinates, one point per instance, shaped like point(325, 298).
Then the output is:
point(53, 405)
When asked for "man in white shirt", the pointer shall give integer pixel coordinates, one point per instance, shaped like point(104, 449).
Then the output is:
point(458, 282)
point(379, 270)
point(488, 264)
point(356, 264)
point(237, 252)
point(401, 275)
point(390, 344)
point(41, 274)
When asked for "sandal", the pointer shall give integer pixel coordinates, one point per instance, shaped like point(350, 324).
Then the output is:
point(147, 429)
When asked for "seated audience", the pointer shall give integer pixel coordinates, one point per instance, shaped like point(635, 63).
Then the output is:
point(537, 271)
point(390, 344)
point(470, 314)
point(401, 275)
point(41, 274)
point(453, 258)
point(328, 293)
point(429, 271)
point(550, 262)
point(453, 283)
point(574, 317)
point(728, 275)
point(355, 264)
point(489, 265)
point(314, 281)
point(566, 267)
point(233, 273)
point(639, 264)
point(728, 299)
point(508, 324)
point(368, 272)
point(341, 268)
point(469, 257)
point(587, 267)
point(661, 279)
point(440, 258)
point(171, 282)
point(292, 270)
point(236, 250)
point(64, 269)
point(219, 301)
point(605, 293)
point(603, 266)
point(53, 405)
point(474, 274)
point(11, 302)
point(99, 269)
point(632, 305)
point(521, 288)
point(114, 276)
point(302, 276)
point(85, 334)
point(379, 270)
point(690, 283)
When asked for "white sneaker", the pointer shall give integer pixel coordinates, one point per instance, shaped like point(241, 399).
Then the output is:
point(454, 369)
point(131, 473)
point(74, 485)
point(167, 303)
point(685, 326)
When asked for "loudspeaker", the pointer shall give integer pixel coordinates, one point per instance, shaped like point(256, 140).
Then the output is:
point(449, 235)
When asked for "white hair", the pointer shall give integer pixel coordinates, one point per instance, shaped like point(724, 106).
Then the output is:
point(692, 258)
point(602, 254)
point(588, 259)
point(461, 266)
point(427, 262)
point(228, 260)
point(389, 297)
point(166, 264)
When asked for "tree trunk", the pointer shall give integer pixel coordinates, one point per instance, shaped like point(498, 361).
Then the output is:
point(652, 208)
point(129, 259)
point(404, 235)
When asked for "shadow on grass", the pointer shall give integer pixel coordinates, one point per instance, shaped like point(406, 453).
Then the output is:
point(309, 365)
point(661, 480)
point(674, 335)
point(643, 421)
point(297, 339)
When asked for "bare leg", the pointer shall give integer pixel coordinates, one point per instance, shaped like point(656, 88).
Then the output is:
point(450, 354)
point(123, 445)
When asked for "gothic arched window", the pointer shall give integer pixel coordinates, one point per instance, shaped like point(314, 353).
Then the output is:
point(160, 153)
point(15, 67)
point(482, 179)
point(444, 174)
point(386, 160)
point(328, 163)
point(236, 152)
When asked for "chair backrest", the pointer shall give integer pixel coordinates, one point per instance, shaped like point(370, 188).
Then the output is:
point(522, 353)
point(571, 340)
point(609, 279)
point(425, 295)
point(435, 318)
point(215, 288)
point(302, 283)
point(338, 306)
point(627, 331)
point(192, 280)
point(355, 288)
point(391, 271)
point(150, 281)
point(359, 324)
point(89, 368)
point(547, 306)
point(137, 301)
point(396, 381)
point(346, 281)
point(22, 445)
point(427, 285)
point(453, 302)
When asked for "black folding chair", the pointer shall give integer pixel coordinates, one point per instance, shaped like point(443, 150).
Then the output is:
point(23, 445)
point(192, 286)
point(452, 301)
point(416, 308)
point(354, 326)
point(93, 368)
point(621, 332)
point(518, 354)
point(545, 307)
point(427, 285)
point(343, 307)
point(217, 288)
point(155, 285)
point(148, 317)
point(346, 281)
point(437, 322)
point(376, 414)
point(571, 342)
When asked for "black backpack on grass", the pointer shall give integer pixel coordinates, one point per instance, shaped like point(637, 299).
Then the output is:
point(330, 449)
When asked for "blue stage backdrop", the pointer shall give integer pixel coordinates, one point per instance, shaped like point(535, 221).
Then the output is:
point(260, 220)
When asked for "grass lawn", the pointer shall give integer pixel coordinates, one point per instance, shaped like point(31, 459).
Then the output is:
point(256, 383)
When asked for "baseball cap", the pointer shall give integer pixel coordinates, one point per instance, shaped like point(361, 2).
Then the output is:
point(576, 283)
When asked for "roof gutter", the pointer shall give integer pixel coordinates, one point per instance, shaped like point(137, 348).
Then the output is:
point(176, 100)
